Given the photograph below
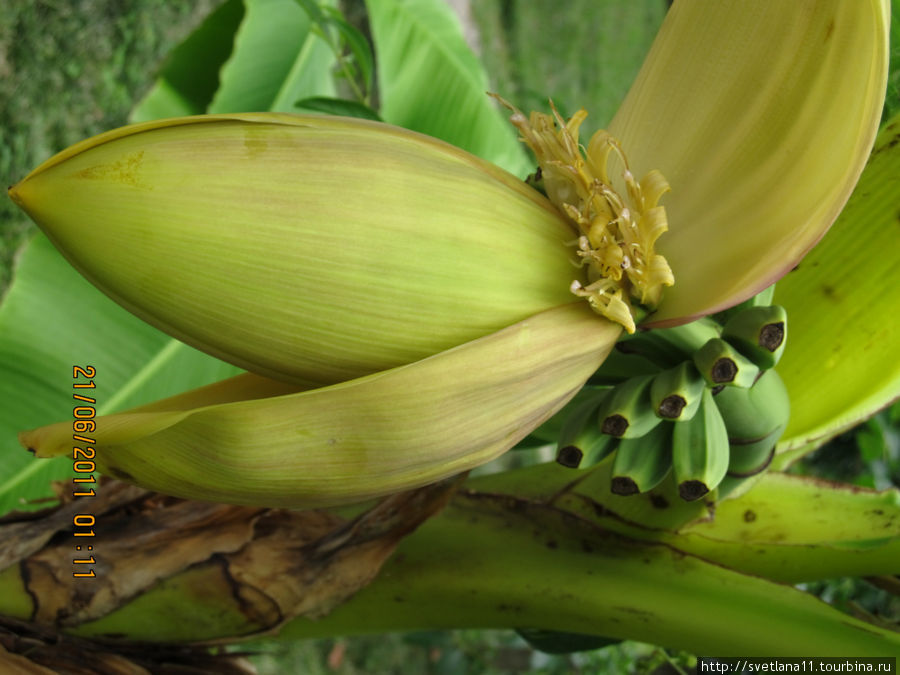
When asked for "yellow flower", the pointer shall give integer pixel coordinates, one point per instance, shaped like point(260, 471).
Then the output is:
point(413, 305)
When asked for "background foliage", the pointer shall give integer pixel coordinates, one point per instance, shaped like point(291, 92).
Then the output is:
point(70, 70)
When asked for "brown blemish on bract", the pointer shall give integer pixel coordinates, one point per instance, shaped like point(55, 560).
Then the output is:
point(659, 502)
point(749, 516)
point(829, 31)
point(829, 292)
point(124, 171)
point(254, 147)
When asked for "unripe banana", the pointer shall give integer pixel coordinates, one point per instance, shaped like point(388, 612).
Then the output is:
point(720, 363)
point(580, 441)
point(754, 420)
point(626, 412)
point(669, 346)
point(592, 446)
point(675, 393)
point(569, 420)
point(622, 364)
point(750, 457)
point(642, 463)
point(761, 299)
point(700, 451)
point(759, 333)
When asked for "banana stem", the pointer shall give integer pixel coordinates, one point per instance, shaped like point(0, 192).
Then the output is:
point(495, 561)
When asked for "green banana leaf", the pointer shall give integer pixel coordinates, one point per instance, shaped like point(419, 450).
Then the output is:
point(840, 365)
point(248, 55)
point(51, 319)
point(586, 56)
point(190, 75)
point(430, 81)
point(795, 528)
point(277, 60)
point(786, 528)
point(892, 100)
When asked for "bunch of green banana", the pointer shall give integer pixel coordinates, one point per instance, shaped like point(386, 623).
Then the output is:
point(576, 431)
point(667, 347)
point(703, 405)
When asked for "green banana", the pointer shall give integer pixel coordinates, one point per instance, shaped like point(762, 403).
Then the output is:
point(675, 393)
point(669, 346)
point(754, 420)
point(571, 417)
point(622, 364)
point(720, 363)
point(641, 464)
point(588, 449)
point(580, 440)
point(759, 333)
point(626, 411)
point(700, 451)
point(761, 299)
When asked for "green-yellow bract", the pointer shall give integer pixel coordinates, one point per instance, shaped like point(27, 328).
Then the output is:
point(406, 307)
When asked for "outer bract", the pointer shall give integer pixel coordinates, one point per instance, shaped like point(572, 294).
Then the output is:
point(308, 249)
point(251, 441)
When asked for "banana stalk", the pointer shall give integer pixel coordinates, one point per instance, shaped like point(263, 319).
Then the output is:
point(538, 567)
point(26, 649)
point(537, 548)
point(224, 571)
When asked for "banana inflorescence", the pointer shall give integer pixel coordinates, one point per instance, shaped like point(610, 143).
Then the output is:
point(706, 406)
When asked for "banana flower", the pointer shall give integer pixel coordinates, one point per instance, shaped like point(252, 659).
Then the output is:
point(409, 311)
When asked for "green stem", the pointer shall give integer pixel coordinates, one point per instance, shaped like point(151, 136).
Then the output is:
point(496, 561)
